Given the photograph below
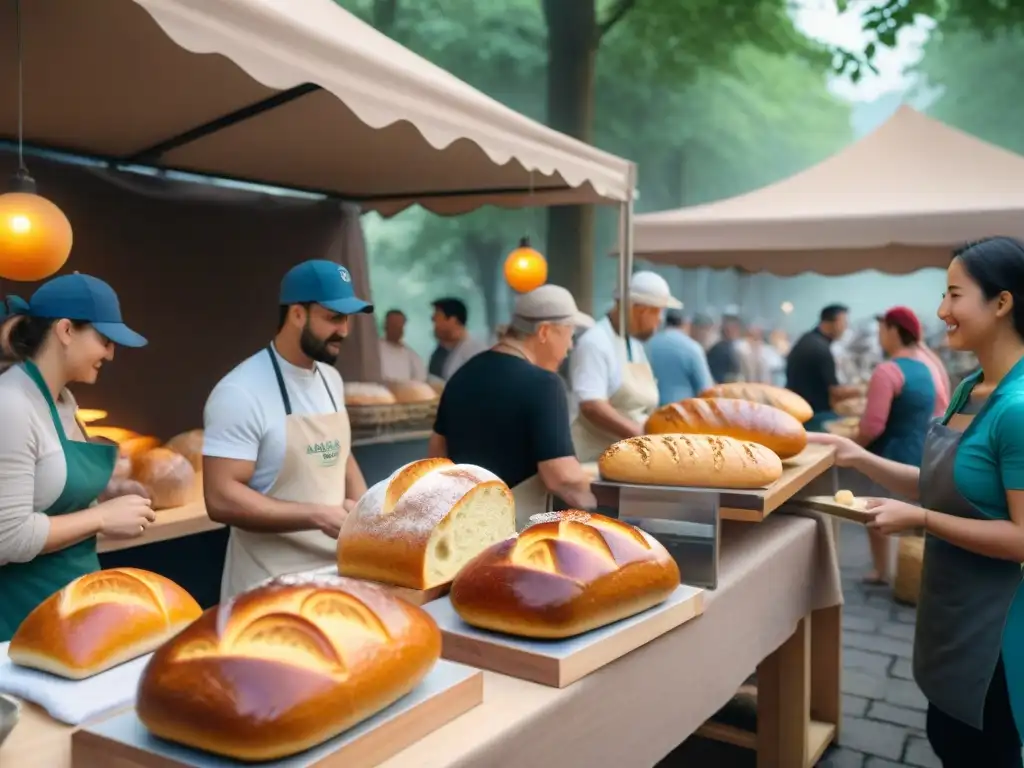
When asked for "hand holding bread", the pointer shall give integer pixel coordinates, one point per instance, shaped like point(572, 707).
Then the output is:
point(328, 518)
point(567, 573)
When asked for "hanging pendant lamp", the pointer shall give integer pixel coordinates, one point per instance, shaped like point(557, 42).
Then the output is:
point(525, 268)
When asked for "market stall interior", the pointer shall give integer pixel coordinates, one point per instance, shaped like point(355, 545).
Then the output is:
point(310, 99)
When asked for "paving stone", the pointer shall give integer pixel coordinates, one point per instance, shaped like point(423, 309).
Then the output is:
point(866, 612)
point(881, 762)
point(873, 737)
point(866, 661)
point(906, 614)
point(919, 752)
point(855, 705)
point(878, 644)
point(889, 713)
point(883, 602)
point(898, 630)
point(905, 693)
point(864, 684)
point(902, 668)
point(839, 757)
point(859, 624)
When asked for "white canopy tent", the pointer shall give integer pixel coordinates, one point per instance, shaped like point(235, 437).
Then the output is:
point(896, 201)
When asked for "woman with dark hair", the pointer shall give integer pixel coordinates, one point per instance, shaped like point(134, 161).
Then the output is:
point(969, 642)
point(50, 475)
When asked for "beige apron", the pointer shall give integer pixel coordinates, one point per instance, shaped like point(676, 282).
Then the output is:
point(636, 399)
point(317, 448)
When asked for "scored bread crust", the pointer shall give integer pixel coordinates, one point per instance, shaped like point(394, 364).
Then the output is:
point(777, 397)
point(701, 461)
point(101, 620)
point(387, 537)
point(771, 427)
point(567, 573)
point(286, 666)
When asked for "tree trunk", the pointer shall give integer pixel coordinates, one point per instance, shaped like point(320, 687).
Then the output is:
point(572, 51)
point(485, 260)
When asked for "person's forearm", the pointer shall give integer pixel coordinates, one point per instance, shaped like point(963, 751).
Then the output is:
point(355, 483)
point(900, 479)
point(238, 505)
point(999, 539)
point(840, 393)
point(576, 494)
point(601, 414)
point(67, 530)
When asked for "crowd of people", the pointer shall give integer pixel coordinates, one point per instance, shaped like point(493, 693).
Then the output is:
point(279, 471)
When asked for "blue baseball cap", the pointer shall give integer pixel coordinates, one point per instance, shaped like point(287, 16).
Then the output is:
point(86, 299)
point(322, 282)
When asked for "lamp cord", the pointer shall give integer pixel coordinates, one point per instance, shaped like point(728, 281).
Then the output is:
point(21, 88)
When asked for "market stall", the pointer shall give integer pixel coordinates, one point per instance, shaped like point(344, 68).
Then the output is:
point(304, 96)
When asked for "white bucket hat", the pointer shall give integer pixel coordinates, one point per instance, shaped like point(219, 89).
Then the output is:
point(649, 289)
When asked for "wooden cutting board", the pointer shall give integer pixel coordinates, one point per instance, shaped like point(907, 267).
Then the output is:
point(829, 506)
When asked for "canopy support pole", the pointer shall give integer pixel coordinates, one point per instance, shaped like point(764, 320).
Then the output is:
point(626, 254)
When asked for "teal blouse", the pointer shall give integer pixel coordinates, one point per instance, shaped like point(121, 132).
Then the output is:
point(990, 459)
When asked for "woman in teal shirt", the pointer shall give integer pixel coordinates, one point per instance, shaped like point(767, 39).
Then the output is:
point(969, 642)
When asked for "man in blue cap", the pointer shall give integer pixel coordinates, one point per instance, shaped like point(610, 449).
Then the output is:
point(277, 462)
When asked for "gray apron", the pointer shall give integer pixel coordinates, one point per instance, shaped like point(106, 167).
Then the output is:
point(964, 602)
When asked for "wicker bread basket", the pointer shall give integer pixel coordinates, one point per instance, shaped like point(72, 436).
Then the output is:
point(909, 558)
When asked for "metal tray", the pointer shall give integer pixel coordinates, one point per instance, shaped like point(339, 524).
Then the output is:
point(10, 712)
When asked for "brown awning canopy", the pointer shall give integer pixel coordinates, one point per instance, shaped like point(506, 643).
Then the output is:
point(897, 201)
point(292, 93)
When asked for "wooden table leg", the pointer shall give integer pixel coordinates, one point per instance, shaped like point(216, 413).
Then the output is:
point(827, 666)
point(784, 702)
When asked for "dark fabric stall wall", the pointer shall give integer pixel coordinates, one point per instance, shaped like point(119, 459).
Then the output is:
point(197, 270)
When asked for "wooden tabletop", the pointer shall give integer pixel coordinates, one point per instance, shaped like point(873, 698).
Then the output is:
point(172, 523)
point(37, 741)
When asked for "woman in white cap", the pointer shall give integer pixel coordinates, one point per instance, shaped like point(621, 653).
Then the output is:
point(612, 378)
point(50, 475)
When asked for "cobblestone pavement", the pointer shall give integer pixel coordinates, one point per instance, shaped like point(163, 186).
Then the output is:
point(883, 710)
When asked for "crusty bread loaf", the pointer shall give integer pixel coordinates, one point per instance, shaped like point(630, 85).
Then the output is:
point(134, 447)
point(285, 667)
point(190, 445)
point(777, 397)
point(567, 573)
point(365, 393)
point(101, 620)
point(118, 435)
point(418, 527)
point(411, 391)
point(167, 475)
point(741, 419)
point(702, 461)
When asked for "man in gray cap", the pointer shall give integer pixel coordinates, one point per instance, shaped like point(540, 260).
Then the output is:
point(507, 409)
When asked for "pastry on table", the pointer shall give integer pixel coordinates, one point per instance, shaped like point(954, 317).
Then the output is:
point(696, 461)
point(285, 667)
point(567, 573)
point(845, 498)
point(101, 620)
point(367, 393)
point(771, 427)
point(419, 526)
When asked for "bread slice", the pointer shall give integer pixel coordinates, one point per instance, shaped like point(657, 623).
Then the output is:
point(418, 527)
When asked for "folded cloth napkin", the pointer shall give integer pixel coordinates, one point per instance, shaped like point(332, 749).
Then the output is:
point(72, 701)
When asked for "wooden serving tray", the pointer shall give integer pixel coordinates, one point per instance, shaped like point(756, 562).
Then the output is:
point(559, 663)
point(447, 692)
point(828, 505)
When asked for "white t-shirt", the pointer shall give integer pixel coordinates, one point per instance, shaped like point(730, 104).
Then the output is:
point(595, 366)
point(399, 363)
point(244, 417)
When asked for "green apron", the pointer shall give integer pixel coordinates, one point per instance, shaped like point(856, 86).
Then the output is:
point(90, 466)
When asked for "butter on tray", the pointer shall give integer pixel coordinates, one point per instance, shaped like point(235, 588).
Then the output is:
point(846, 498)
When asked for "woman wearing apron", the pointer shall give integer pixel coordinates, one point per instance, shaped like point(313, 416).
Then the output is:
point(50, 476)
point(969, 641)
point(611, 378)
point(900, 407)
point(507, 410)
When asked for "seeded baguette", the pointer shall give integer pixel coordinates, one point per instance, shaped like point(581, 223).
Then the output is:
point(699, 461)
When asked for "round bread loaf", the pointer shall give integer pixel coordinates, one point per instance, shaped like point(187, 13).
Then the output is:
point(101, 620)
point(740, 419)
point(567, 573)
point(167, 475)
point(699, 461)
point(366, 393)
point(190, 445)
point(133, 447)
point(777, 397)
point(285, 667)
point(411, 391)
point(419, 526)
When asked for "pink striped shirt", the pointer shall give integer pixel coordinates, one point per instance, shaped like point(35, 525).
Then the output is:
point(887, 383)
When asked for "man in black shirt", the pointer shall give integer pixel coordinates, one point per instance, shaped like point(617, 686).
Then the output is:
point(723, 357)
point(507, 409)
point(811, 368)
